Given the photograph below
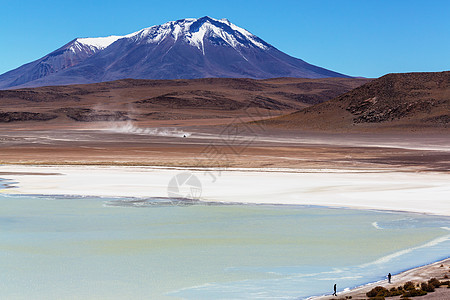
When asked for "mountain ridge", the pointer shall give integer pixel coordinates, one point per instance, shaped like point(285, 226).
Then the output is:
point(148, 102)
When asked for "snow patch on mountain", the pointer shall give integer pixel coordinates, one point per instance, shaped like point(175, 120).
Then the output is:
point(195, 36)
point(99, 43)
point(247, 34)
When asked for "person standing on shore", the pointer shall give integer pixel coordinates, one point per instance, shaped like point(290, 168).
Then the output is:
point(389, 277)
point(334, 294)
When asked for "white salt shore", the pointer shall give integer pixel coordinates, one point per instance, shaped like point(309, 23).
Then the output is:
point(385, 190)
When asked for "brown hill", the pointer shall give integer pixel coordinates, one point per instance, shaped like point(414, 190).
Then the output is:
point(149, 100)
point(411, 101)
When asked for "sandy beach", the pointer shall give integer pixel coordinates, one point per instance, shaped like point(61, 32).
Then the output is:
point(421, 274)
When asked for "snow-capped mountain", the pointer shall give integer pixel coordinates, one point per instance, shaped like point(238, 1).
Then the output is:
point(187, 48)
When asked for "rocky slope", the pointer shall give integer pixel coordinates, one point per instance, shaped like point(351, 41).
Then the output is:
point(405, 100)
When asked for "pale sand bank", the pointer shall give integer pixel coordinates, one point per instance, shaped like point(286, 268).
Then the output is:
point(386, 190)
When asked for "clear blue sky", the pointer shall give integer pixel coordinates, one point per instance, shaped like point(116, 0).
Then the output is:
point(359, 38)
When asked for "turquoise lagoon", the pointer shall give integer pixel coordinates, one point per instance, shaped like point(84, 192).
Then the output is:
point(97, 248)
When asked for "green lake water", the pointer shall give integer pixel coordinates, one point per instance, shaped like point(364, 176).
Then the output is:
point(97, 248)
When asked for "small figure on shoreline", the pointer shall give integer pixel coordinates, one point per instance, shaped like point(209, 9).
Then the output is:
point(334, 294)
point(389, 277)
